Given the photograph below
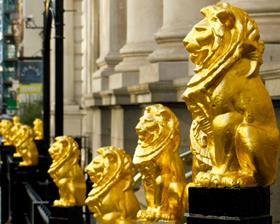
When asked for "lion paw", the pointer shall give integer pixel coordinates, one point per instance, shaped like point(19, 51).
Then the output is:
point(203, 179)
point(237, 180)
point(155, 214)
point(246, 180)
point(16, 155)
point(208, 179)
point(150, 214)
point(167, 216)
point(63, 203)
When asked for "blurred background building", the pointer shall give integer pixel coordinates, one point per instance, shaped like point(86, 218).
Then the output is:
point(120, 56)
point(21, 58)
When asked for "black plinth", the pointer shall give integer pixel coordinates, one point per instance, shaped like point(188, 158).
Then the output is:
point(229, 206)
point(70, 215)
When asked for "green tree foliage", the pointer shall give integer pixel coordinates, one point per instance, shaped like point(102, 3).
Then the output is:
point(29, 111)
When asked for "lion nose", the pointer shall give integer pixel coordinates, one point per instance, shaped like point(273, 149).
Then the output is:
point(138, 127)
point(190, 44)
point(186, 41)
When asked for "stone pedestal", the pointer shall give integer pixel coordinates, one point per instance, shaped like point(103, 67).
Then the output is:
point(229, 205)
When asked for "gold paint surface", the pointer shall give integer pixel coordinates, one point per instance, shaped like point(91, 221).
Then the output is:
point(234, 136)
point(67, 173)
point(157, 158)
point(14, 134)
point(38, 129)
point(20, 136)
point(25, 146)
point(6, 132)
point(112, 199)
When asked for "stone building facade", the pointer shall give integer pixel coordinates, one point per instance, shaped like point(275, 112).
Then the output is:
point(121, 55)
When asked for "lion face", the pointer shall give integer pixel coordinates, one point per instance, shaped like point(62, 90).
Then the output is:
point(55, 150)
point(100, 166)
point(156, 129)
point(109, 166)
point(147, 128)
point(199, 42)
point(64, 148)
point(225, 35)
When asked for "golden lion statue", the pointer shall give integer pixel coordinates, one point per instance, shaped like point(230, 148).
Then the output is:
point(25, 146)
point(14, 134)
point(157, 158)
point(112, 199)
point(234, 137)
point(6, 132)
point(67, 173)
point(38, 129)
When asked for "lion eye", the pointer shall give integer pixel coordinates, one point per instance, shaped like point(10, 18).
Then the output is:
point(200, 29)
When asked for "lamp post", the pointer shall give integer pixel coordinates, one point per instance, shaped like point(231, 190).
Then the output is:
point(53, 10)
point(59, 25)
point(48, 17)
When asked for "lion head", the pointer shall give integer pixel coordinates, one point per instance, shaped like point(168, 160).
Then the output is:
point(16, 119)
point(112, 199)
point(225, 35)
point(64, 150)
point(110, 166)
point(156, 128)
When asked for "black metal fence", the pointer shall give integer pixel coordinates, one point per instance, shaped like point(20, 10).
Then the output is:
point(27, 193)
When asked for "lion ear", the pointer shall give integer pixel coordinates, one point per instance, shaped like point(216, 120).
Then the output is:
point(226, 18)
point(112, 158)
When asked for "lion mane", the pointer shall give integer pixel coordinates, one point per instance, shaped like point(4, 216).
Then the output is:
point(227, 99)
point(66, 172)
point(112, 199)
point(161, 123)
point(158, 160)
point(242, 42)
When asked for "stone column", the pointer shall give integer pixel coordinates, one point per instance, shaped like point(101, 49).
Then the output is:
point(124, 120)
point(144, 18)
point(179, 16)
point(101, 128)
point(112, 31)
point(73, 66)
point(169, 59)
point(69, 54)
